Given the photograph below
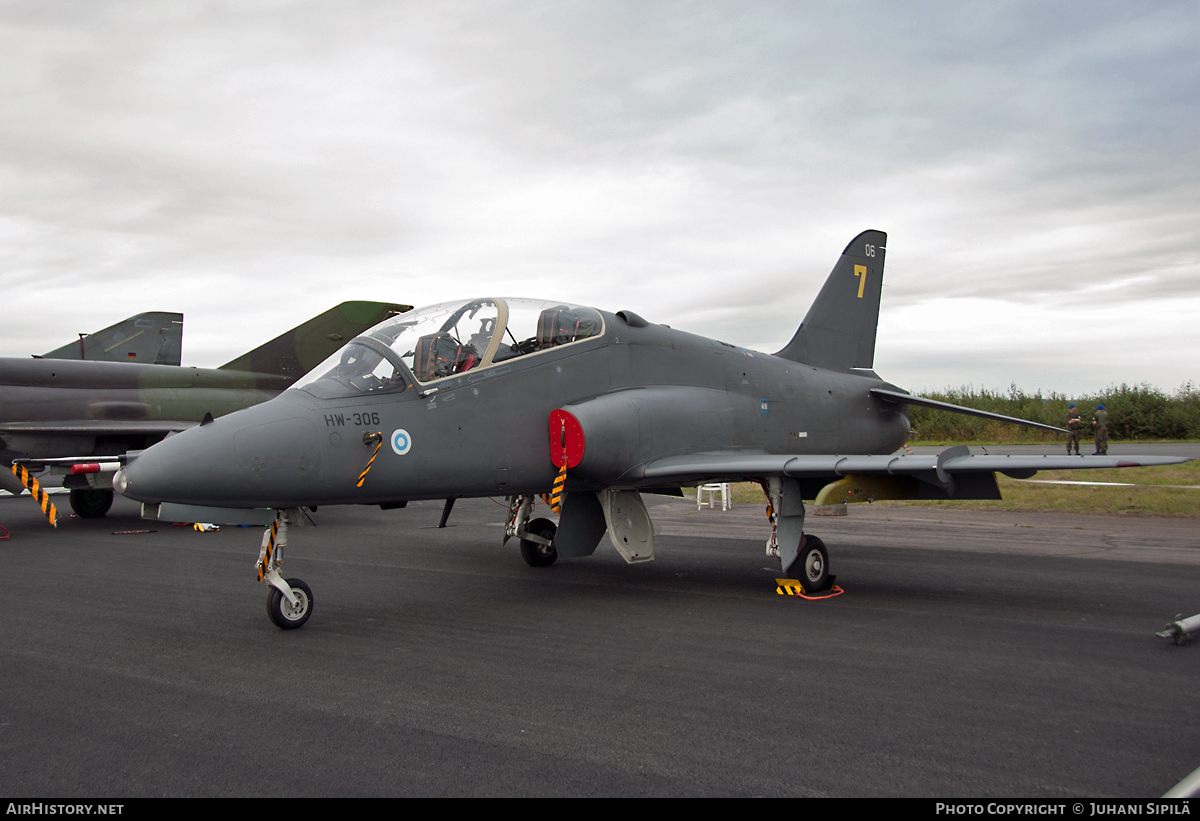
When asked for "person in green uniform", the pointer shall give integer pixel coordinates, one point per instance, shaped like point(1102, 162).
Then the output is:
point(1100, 424)
point(1074, 426)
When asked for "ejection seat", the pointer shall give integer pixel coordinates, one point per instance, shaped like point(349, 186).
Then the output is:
point(440, 355)
point(560, 325)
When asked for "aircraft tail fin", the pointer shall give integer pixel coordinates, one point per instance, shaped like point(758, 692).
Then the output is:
point(296, 352)
point(155, 338)
point(838, 332)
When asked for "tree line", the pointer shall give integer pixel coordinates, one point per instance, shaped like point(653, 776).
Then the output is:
point(1134, 412)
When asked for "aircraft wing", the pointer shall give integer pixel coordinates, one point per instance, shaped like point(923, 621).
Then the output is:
point(733, 466)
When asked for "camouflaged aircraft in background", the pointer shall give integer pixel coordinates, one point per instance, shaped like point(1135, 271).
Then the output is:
point(155, 338)
point(126, 390)
point(507, 397)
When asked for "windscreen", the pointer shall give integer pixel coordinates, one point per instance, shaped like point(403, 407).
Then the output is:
point(443, 340)
point(355, 370)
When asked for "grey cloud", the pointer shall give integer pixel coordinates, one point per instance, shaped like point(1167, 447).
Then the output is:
point(697, 162)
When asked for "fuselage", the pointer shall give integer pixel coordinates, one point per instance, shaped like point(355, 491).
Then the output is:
point(56, 407)
point(643, 391)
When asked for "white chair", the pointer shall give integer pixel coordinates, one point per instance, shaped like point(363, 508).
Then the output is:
point(726, 504)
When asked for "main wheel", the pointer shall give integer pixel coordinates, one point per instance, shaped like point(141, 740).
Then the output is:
point(540, 555)
point(90, 503)
point(811, 567)
point(281, 612)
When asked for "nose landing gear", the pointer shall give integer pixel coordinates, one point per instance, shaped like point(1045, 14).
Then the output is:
point(290, 602)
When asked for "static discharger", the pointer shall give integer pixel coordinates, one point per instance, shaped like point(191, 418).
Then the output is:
point(793, 587)
point(43, 499)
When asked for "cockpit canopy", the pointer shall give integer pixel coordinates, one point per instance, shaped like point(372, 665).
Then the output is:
point(448, 339)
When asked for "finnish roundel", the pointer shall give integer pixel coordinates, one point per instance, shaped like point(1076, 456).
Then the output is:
point(401, 441)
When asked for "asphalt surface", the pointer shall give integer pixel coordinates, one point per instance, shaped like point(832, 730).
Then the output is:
point(972, 654)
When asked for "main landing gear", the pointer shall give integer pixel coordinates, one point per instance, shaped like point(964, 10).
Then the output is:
point(537, 536)
point(801, 555)
point(90, 502)
point(290, 602)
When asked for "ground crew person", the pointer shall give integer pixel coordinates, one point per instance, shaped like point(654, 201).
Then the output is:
point(1100, 423)
point(1074, 426)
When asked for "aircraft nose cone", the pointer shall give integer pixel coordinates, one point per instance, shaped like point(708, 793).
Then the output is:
point(187, 467)
point(265, 456)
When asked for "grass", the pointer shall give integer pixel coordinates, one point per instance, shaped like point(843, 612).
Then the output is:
point(1147, 498)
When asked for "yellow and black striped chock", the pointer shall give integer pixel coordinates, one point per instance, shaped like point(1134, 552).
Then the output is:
point(789, 587)
point(43, 499)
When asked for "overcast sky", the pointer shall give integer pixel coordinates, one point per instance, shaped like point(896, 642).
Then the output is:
point(1036, 167)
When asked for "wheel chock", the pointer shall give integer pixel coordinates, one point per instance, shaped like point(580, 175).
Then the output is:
point(793, 587)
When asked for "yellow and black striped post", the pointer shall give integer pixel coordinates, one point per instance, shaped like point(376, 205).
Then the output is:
point(555, 497)
point(43, 499)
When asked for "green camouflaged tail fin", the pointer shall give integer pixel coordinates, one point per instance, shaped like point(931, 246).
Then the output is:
point(296, 352)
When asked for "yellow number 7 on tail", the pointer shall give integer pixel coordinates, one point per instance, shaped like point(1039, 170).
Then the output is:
point(860, 271)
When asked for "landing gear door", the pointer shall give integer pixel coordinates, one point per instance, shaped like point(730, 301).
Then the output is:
point(629, 525)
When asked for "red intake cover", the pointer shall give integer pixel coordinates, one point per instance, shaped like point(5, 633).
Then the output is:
point(566, 439)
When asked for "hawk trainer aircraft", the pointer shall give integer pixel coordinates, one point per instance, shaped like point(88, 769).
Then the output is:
point(519, 398)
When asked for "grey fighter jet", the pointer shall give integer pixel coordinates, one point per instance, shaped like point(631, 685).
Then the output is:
point(109, 402)
point(508, 397)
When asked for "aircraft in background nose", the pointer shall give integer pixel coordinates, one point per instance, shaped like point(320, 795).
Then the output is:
point(81, 407)
point(590, 409)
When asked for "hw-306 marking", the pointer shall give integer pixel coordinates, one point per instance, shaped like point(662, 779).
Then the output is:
point(334, 420)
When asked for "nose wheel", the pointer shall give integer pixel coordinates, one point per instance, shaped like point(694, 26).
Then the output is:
point(284, 614)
